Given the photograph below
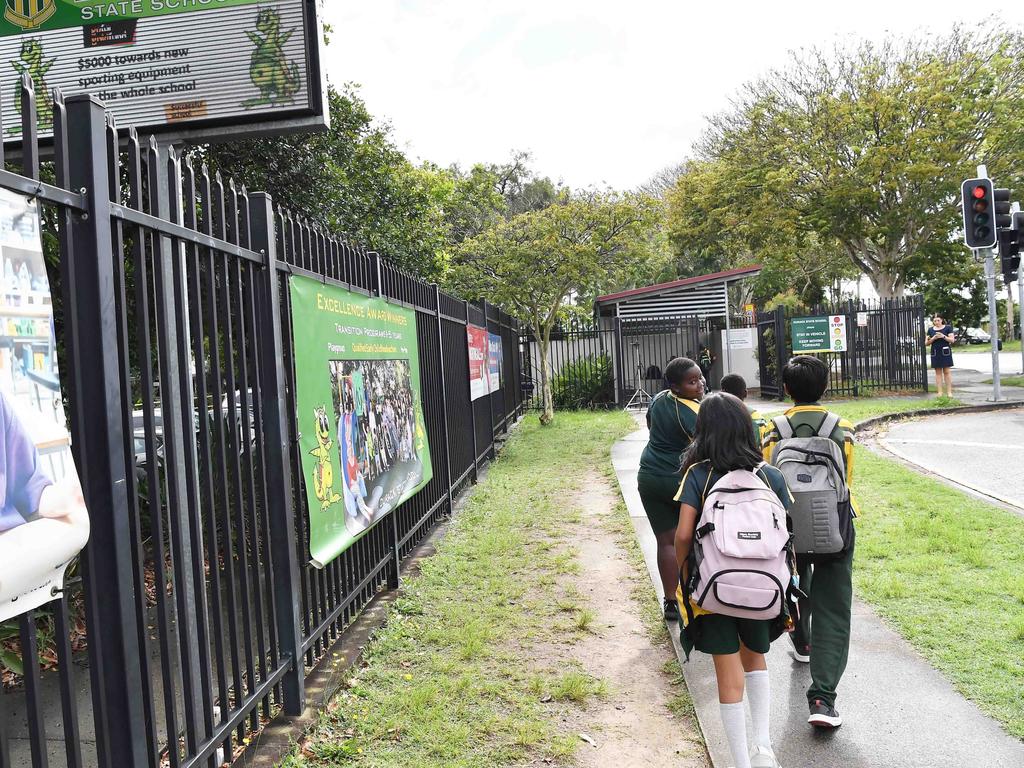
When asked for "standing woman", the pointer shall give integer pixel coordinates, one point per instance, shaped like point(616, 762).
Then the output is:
point(671, 419)
point(940, 339)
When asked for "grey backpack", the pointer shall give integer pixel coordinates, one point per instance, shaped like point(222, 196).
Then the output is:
point(814, 469)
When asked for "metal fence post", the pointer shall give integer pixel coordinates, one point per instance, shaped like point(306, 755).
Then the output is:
point(89, 306)
point(781, 348)
point(269, 350)
point(394, 572)
point(472, 408)
point(620, 396)
point(444, 399)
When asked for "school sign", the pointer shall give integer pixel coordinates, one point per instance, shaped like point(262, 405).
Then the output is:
point(812, 335)
point(189, 67)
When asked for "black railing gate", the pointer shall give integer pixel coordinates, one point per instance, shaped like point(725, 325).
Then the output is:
point(202, 615)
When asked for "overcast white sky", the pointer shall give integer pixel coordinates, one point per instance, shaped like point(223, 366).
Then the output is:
point(599, 92)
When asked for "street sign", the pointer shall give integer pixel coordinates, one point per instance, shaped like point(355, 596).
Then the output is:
point(812, 335)
point(167, 66)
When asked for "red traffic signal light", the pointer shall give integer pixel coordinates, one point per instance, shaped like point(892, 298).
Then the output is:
point(979, 219)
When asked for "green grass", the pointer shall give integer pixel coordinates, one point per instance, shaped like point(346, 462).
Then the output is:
point(859, 409)
point(1008, 381)
point(947, 571)
point(448, 680)
point(1008, 346)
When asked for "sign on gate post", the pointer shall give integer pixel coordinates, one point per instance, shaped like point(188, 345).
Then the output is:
point(812, 335)
point(190, 68)
point(43, 520)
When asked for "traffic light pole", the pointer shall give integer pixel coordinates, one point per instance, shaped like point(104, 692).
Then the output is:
point(1020, 304)
point(993, 319)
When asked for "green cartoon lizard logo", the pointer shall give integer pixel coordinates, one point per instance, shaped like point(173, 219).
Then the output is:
point(34, 65)
point(269, 69)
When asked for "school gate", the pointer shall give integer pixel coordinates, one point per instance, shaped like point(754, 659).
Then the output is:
point(885, 348)
point(195, 616)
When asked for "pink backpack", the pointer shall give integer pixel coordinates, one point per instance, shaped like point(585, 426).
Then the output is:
point(741, 549)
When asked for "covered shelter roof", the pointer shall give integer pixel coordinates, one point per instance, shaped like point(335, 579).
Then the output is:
point(702, 295)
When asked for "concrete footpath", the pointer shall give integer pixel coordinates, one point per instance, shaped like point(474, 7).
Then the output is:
point(898, 711)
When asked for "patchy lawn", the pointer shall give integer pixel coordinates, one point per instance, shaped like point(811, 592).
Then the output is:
point(483, 661)
point(947, 571)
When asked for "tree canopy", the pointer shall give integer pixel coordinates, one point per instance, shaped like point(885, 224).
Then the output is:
point(532, 263)
point(860, 150)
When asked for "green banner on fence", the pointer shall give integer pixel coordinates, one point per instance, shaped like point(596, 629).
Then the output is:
point(362, 436)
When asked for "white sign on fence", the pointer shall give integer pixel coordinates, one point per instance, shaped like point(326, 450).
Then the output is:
point(43, 520)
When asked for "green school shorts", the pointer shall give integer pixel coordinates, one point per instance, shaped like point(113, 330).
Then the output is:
point(656, 492)
point(721, 635)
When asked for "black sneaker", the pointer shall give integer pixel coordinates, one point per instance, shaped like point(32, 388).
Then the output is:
point(824, 715)
point(800, 651)
point(671, 610)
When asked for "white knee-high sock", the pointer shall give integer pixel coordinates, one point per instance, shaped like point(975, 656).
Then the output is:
point(735, 721)
point(759, 697)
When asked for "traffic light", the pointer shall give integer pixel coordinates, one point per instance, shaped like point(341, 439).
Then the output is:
point(1001, 206)
point(979, 213)
point(1010, 242)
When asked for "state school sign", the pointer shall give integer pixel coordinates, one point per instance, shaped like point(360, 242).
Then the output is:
point(189, 67)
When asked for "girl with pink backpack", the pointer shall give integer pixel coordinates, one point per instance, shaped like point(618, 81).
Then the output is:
point(734, 550)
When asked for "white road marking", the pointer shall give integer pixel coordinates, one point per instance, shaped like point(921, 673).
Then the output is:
point(957, 443)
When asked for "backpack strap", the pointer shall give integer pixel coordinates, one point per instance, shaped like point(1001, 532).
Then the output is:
point(828, 424)
point(785, 428)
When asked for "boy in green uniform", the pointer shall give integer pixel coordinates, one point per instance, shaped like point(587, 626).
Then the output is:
point(736, 386)
point(672, 420)
point(826, 579)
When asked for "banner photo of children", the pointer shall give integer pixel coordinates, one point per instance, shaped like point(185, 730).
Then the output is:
point(43, 520)
point(494, 362)
point(476, 341)
point(363, 438)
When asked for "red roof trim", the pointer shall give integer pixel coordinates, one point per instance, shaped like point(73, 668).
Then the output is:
point(681, 283)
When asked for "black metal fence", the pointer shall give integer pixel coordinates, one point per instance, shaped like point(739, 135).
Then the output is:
point(603, 365)
point(885, 341)
point(201, 615)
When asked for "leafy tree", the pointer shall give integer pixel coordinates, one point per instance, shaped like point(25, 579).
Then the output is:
point(532, 263)
point(951, 285)
point(866, 147)
point(351, 179)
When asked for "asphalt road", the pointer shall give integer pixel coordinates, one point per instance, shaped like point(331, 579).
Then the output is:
point(982, 451)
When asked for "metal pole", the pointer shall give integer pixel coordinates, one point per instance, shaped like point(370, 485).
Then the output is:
point(993, 319)
point(728, 328)
point(1020, 306)
point(274, 406)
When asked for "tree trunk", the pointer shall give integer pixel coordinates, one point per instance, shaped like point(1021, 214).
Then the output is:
point(887, 285)
point(547, 413)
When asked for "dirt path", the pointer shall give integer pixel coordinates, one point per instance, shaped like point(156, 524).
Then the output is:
point(633, 724)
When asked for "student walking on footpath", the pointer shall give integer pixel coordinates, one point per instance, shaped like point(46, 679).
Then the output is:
point(940, 339)
point(814, 448)
point(733, 507)
point(736, 386)
point(671, 419)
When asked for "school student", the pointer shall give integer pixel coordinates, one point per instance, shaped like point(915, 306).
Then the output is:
point(671, 419)
point(736, 385)
point(822, 635)
point(724, 443)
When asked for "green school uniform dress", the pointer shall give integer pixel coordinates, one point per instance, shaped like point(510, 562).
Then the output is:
point(711, 632)
point(672, 421)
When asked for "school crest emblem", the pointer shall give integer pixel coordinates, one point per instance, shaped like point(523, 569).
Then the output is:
point(28, 14)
